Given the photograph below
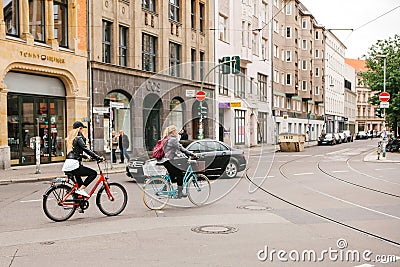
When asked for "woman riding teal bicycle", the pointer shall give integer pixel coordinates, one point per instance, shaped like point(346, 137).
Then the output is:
point(172, 146)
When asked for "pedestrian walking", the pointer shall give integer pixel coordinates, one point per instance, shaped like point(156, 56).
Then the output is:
point(183, 134)
point(114, 146)
point(123, 143)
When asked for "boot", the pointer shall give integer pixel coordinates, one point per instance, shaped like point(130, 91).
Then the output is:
point(180, 193)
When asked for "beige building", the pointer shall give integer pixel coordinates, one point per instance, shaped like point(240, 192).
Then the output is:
point(148, 59)
point(298, 69)
point(43, 77)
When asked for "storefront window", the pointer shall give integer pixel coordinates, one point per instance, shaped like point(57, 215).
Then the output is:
point(11, 19)
point(36, 19)
point(176, 113)
point(239, 126)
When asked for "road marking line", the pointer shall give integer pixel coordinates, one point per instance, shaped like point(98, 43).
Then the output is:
point(33, 200)
point(339, 151)
point(340, 171)
point(304, 173)
point(384, 169)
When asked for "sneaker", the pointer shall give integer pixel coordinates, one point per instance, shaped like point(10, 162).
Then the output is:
point(82, 192)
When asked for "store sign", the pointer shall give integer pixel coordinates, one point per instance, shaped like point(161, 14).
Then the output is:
point(101, 110)
point(236, 104)
point(117, 105)
point(43, 57)
point(224, 105)
point(190, 93)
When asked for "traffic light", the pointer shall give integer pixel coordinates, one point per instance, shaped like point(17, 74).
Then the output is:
point(235, 64)
point(226, 65)
point(378, 112)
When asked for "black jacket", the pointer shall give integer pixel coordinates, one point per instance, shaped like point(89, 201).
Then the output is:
point(78, 147)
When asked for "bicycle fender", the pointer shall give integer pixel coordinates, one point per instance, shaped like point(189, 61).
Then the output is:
point(54, 186)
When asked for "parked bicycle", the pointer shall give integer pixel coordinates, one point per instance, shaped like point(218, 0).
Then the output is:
point(158, 189)
point(60, 202)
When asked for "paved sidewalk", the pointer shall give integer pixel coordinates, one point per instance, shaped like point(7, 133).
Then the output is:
point(391, 157)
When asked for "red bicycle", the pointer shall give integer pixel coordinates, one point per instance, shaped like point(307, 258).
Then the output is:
point(60, 201)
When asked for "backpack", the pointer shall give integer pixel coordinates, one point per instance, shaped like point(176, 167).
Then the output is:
point(158, 150)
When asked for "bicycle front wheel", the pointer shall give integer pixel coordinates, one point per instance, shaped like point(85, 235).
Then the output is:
point(113, 202)
point(156, 193)
point(52, 206)
point(199, 189)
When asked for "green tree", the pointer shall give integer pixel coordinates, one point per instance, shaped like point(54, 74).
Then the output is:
point(374, 77)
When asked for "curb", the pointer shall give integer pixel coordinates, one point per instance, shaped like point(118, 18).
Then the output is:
point(372, 157)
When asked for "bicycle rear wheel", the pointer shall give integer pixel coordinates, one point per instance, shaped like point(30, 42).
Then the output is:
point(113, 204)
point(52, 207)
point(156, 193)
point(199, 189)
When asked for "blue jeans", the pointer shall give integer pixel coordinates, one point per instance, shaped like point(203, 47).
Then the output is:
point(124, 153)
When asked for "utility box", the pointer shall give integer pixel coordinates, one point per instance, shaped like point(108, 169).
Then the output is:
point(291, 142)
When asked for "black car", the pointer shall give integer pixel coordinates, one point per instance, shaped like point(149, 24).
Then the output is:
point(326, 139)
point(219, 159)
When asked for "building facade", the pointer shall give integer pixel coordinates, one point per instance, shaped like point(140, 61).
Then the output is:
point(334, 83)
point(350, 98)
point(148, 59)
point(366, 120)
point(244, 99)
point(43, 77)
point(298, 69)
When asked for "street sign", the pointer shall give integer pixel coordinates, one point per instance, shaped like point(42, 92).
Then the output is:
point(101, 110)
point(384, 105)
point(190, 93)
point(201, 95)
point(117, 105)
point(384, 97)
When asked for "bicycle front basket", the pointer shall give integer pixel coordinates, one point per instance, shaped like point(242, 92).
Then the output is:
point(151, 169)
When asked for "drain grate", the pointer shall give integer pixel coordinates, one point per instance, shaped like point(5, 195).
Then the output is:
point(254, 207)
point(214, 229)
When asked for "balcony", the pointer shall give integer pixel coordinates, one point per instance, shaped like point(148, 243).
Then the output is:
point(246, 55)
point(291, 91)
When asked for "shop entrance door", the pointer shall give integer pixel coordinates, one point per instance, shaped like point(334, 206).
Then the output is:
point(28, 130)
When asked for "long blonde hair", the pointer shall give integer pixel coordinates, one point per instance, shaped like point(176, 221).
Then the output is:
point(70, 138)
point(169, 130)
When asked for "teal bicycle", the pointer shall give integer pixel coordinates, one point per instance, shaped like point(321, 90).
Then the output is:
point(157, 190)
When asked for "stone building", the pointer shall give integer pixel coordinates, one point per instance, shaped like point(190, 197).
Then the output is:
point(43, 77)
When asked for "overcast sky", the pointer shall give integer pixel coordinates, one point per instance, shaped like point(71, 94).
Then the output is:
point(352, 14)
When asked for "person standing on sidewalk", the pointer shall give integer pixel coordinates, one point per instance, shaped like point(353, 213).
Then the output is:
point(76, 144)
point(114, 146)
point(123, 142)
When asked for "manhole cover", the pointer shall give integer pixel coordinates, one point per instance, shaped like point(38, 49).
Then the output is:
point(254, 207)
point(214, 229)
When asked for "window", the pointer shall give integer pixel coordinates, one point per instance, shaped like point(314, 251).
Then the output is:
point(174, 59)
point(288, 103)
point(123, 46)
point(276, 76)
point(276, 3)
point(304, 85)
point(288, 32)
point(288, 56)
point(193, 59)
point(316, 90)
point(107, 27)
point(264, 49)
point(249, 31)
point(11, 18)
point(176, 112)
point(316, 35)
point(239, 83)
point(255, 44)
point(304, 44)
point(192, 14)
point(276, 51)
point(223, 84)
point(316, 72)
point(240, 125)
point(262, 127)
point(288, 79)
point(149, 48)
point(304, 23)
point(289, 9)
point(283, 78)
point(223, 28)
point(202, 17)
point(61, 22)
point(264, 10)
point(243, 33)
point(275, 25)
point(304, 64)
point(316, 53)
point(37, 19)
point(262, 86)
point(174, 12)
point(202, 57)
point(149, 5)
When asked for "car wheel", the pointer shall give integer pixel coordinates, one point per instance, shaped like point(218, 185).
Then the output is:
point(231, 170)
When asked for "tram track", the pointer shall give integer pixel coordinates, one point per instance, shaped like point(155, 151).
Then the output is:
point(327, 218)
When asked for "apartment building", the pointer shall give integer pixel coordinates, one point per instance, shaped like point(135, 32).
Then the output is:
point(366, 120)
point(148, 59)
point(298, 69)
point(43, 77)
point(350, 98)
point(244, 99)
point(334, 83)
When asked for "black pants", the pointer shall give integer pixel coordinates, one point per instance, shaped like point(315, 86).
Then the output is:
point(174, 172)
point(84, 171)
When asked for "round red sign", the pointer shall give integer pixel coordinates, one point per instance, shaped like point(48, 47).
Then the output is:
point(201, 95)
point(384, 96)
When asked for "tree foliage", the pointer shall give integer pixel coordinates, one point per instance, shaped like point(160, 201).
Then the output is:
point(374, 77)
